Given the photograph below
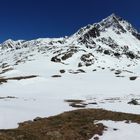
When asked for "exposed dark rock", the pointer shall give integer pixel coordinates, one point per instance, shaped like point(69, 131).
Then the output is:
point(67, 55)
point(118, 72)
point(133, 102)
point(2, 80)
point(56, 76)
point(94, 32)
point(130, 55)
point(94, 70)
point(96, 138)
point(87, 59)
point(115, 129)
point(137, 35)
point(100, 49)
point(62, 71)
point(74, 101)
point(133, 78)
point(79, 64)
point(107, 52)
point(117, 54)
point(77, 105)
point(55, 59)
point(81, 70)
point(93, 103)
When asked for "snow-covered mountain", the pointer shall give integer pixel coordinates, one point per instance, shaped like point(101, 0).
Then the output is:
point(99, 63)
point(113, 40)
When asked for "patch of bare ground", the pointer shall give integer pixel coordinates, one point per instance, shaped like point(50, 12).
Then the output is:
point(74, 125)
point(56, 76)
point(79, 103)
point(76, 103)
point(133, 78)
point(4, 80)
point(8, 97)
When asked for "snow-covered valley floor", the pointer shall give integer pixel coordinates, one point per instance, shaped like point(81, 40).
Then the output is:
point(44, 95)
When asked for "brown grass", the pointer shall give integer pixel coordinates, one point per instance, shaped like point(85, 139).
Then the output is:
point(74, 125)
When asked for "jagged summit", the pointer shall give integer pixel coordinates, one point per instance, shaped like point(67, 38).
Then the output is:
point(112, 22)
point(114, 16)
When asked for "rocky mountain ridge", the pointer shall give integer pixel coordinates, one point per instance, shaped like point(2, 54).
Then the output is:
point(112, 38)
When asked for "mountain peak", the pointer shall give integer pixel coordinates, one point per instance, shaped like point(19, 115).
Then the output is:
point(114, 16)
point(8, 40)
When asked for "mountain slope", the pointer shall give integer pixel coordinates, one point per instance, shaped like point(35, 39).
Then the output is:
point(112, 38)
point(99, 64)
